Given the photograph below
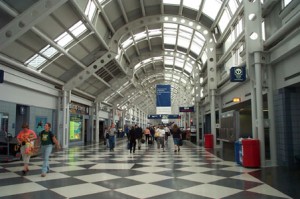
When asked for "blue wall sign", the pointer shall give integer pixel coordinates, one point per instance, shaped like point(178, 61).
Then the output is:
point(238, 73)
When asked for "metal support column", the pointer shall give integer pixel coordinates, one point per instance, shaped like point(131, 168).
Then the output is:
point(271, 118)
point(213, 115)
point(197, 124)
point(259, 106)
point(97, 122)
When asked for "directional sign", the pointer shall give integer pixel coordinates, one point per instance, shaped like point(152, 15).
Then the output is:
point(163, 116)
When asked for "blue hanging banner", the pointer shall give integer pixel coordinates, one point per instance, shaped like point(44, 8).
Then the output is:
point(163, 95)
point(238, 73)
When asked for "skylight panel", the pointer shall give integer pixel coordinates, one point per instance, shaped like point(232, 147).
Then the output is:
point(170, 32)
point(176, 70)
point(168, 75)
point(198, 41)
point(179, 62)
point(154, 32)
point(233, 6)
point(193, 4)
point(157, 58)
point(90, 10)
point(184, 34)
point(48, 51)
point(168, 39)
point(170, 25)
point(185, 29)
point(173, 2)
point(147, 61)
point(188, 67)
point(211, 8)
point(168, 61)
point(176, 77)
point(63, 39)
point(183, 42)
point(137, 66)
point(140, 36)
point(224, 20)
point(204, 58)
point(127, 43)
point(78, 29)
point(286, 2)
point(35, 61)
point(199, 35)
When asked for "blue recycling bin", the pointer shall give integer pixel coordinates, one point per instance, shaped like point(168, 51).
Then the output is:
point(237, 151)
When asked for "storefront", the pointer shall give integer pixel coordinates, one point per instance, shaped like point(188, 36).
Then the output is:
point(79, 122)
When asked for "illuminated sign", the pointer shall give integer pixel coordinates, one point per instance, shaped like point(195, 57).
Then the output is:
point(186, 109)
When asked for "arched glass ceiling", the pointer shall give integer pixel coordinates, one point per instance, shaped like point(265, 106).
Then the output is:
point(173, 34)
point(195, 5)
point(169, 60)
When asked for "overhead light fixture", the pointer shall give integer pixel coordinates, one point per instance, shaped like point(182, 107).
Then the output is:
point(236, 99)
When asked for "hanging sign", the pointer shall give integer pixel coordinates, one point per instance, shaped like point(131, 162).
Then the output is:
point(238, 73)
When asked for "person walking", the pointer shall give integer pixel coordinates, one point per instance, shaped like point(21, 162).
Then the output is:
point(152, 132)
point(160, 138)
point(147, 134)
point(112, 132)
point(139, 135)
point(106, 137)
point(26, 139)
point(176, 132)
point(47, 141)
point(132, 140)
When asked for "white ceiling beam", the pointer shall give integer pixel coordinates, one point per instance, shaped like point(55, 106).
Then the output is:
point(89, 71)
point(27, 19)
point(89, 23)
point(123, 10)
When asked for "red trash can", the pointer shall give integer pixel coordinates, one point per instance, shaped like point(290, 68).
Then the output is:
point(208, 141)
point(251, 153)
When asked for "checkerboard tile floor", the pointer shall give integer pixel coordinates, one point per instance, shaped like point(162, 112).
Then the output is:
point(92, 171)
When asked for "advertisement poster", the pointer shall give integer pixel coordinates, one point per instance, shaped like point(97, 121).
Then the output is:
point(75, 127)
point(40, 122)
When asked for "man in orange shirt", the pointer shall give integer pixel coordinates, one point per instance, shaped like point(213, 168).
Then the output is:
point(25, 139)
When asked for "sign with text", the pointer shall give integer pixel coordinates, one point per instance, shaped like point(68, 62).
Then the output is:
point(162, 116)
point(163, 99)
point(163, 95)
point(186, 109)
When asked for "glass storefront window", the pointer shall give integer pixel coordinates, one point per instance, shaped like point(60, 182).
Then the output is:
point(76, 122)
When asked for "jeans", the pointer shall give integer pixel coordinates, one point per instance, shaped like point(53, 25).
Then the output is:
point(46, 151)
point(111, 142)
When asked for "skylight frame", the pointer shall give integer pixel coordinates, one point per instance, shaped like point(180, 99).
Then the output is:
point(208, 4)
point(90, 10)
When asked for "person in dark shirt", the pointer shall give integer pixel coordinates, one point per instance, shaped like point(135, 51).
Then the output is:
point(132, 139)
point(139, 135)
point(47, 141)
point(176, 132)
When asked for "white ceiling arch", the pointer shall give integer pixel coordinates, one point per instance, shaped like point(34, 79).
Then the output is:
point(96, 63)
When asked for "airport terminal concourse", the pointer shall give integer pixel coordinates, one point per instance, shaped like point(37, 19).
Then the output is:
point(225, 72)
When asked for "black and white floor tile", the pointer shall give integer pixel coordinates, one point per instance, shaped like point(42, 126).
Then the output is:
point(92, 171)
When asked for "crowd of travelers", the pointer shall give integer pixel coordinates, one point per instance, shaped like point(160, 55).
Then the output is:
point(136, 136)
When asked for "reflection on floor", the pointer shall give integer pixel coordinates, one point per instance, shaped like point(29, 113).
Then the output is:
point(92, 171)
